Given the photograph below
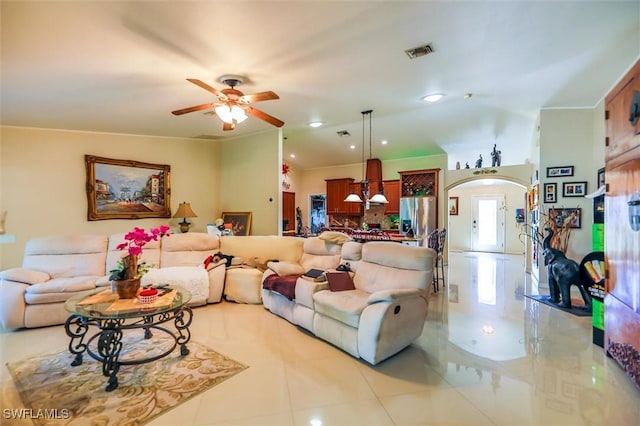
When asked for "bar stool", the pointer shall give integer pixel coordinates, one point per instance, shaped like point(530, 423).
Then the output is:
point(432, 242)
point(442, 240)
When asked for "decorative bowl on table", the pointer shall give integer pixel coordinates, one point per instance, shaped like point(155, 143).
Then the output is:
point(148, 295)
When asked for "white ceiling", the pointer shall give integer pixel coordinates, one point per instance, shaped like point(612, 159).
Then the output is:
point(120, 67)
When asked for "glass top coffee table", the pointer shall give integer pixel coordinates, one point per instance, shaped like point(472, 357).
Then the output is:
point(112, 317)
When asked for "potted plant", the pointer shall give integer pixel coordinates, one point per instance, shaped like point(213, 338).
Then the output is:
point(126, 276)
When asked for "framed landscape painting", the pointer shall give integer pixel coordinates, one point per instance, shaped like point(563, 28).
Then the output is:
point(126, 189)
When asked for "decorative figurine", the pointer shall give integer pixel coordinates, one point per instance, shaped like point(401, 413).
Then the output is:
point(457, 165)
point(496, 157)
point(466, 165)
point(479, 162)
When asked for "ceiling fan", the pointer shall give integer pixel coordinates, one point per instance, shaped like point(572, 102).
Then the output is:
point(233, 105)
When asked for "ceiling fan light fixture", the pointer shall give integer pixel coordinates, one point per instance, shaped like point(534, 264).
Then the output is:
point(434, 97)
point(230, 114)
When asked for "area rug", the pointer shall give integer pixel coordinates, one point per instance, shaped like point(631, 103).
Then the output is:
point(76, 395)
point(579, 311)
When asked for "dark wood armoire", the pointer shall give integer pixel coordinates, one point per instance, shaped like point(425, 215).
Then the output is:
point(622, 224)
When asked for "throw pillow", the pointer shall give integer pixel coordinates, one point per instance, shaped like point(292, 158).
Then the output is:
point(27, 276)
point(340, 281)
point(286, 268)
point(334, 237)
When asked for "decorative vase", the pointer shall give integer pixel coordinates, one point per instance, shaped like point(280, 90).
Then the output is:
point(127, 289)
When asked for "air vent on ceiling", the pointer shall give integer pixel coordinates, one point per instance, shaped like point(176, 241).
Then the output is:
point(416, 52)
point(213, 137)
point(343, 133)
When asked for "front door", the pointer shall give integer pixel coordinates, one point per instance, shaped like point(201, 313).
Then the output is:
point(487, 227)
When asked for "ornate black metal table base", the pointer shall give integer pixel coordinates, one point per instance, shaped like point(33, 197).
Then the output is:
point(109, 338)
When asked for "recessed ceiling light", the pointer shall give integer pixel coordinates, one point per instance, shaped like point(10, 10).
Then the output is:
point(315, 124)
point(384, 142)
point(468, 95)
point(435, 97)
point(352, 147)
point(292, 155)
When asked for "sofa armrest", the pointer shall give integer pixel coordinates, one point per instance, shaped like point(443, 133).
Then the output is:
point(221, 262)
point(392, 295)
point(285, 268)
point(25, 276)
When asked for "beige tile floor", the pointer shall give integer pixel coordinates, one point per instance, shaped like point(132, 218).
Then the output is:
point(488, 355)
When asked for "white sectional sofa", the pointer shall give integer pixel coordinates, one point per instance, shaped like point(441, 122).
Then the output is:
point(57, 268)
point(382, 314)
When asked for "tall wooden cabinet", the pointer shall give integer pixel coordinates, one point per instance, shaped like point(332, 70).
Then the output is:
point(288, 211)
point(622, 224)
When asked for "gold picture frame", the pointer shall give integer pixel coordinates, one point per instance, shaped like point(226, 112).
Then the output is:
point(238, 222)
point(126, 189)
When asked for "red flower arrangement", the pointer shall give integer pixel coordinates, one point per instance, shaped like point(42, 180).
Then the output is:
point(285, 169)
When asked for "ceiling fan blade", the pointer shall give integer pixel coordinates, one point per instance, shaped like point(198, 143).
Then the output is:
point(258, 97)
point(263, 116)
point(192, 109)
point(227, 126)
point(208, 88)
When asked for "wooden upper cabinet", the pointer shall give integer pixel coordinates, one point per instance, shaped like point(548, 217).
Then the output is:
point(337, 191)
point(416, 183)
point(392, 192)
point(622, 115)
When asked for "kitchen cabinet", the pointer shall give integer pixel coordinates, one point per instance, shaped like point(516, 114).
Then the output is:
point(337, 191)
point(622, 225)
point(355, 209)
point(418, 183)
point(392, 192)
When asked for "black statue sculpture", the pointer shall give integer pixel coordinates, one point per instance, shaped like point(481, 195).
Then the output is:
point(496, 157)
point(479, 162)
point(562, 274)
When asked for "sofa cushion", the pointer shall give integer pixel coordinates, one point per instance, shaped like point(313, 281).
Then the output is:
point(335, 237)
point(343, 306)
point(189, 249)
point(263, 247)
point(243, 285)
point(69, 256)
point(286, 268)
point(22, 275)
point(64, 285)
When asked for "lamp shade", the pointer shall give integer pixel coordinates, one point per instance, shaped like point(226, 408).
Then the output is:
point(353, 198)
point(229, 114)
point(184, 210)
point(379, 198)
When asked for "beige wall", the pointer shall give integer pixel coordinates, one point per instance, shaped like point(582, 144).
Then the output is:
point(568, 138)
point(43, 181)
point(251, 172)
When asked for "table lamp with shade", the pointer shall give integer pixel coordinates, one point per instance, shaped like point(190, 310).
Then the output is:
point(185, 211)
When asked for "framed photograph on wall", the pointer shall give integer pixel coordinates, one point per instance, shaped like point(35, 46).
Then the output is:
point(571, 218)
point(126, 189)
point(550, 193)
point(453, 206)
point(574, 189)
point(560, 171)
point(238, 222)
point(601, 177)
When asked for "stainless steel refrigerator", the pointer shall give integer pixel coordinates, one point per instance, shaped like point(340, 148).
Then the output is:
point(418, 214)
